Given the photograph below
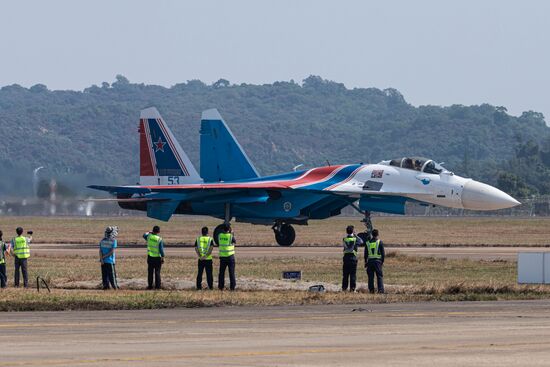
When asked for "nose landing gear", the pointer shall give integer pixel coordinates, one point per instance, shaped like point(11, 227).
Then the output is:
point(284, 234)
point(367, 221)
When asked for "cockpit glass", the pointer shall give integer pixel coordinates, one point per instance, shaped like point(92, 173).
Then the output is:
point(418, 164)
point(432, 167)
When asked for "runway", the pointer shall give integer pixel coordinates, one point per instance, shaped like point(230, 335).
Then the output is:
point(454, 334)
point(486, 253)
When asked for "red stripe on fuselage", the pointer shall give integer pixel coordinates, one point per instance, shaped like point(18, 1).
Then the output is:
point(310, 177)
point(346, 180)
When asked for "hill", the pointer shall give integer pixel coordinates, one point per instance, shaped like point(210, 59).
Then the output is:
point(90, 136)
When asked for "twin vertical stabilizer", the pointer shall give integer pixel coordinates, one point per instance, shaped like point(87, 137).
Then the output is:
point(162, 160)
point(222, 157)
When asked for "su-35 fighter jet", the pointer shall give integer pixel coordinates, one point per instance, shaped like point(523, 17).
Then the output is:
point(229, 187)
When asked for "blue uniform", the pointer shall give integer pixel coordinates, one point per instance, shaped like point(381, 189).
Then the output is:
point(106, 245)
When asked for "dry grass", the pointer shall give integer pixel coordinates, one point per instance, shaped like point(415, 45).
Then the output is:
point(396, 231)
point(399, 270)
point(26, 300)
point(407, 279)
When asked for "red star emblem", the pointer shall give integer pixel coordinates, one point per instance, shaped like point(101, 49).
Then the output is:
point(159, 145)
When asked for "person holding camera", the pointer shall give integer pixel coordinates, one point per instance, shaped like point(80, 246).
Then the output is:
point(21, 251)
point(155, 257)
point(107, 248)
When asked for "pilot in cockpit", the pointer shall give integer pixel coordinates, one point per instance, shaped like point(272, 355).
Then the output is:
point(408, 163)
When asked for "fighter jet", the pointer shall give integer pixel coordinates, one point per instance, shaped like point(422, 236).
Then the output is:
point(229, 187)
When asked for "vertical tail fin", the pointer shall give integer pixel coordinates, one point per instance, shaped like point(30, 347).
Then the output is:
point(222, 157)
point(162, 160)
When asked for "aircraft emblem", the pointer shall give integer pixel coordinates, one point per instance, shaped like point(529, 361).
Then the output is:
point(159, 145)
point(287, 206)
point(424, 180)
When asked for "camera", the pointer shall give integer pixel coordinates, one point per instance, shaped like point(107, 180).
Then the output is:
point(29, 232)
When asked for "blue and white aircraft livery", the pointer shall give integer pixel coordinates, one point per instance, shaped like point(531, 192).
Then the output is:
point(229, 187)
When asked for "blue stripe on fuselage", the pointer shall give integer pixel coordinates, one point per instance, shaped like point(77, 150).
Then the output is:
point(281, 177)
point(340, 176)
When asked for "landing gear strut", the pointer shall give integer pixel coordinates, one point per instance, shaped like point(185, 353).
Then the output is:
point(366, 236)
point(284, 234)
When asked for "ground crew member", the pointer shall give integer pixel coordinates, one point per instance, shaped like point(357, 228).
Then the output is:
point(21, 251)
point(226, 243)
point(374, 259)
point(4, 248)
point(107, 248)
point(203, 247)
point(155, 256)
point(349, 269)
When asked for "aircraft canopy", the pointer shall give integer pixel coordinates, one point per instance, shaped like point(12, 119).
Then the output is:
point(417, 163)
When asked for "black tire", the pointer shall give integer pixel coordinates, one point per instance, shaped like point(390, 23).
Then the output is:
point(286, 236)
point(219, 229)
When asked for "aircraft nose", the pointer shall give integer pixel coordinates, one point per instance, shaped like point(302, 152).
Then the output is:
point(480, 196)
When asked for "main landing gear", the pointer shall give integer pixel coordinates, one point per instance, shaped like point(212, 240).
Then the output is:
point(221, 227)
point(284, 234)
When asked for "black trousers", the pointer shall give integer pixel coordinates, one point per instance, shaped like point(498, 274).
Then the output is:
point(205, 265)
point(374, 267)
point(349, 270)
point(154, 265)
point(108, 275)
point(3, 277)
point(21, 264)
point(227, 262)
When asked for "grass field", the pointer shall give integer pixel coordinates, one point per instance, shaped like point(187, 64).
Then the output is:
point(407, 279)
point(73, 278)
point(395, 231)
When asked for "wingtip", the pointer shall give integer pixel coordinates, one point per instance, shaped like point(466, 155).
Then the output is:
point(211, 114)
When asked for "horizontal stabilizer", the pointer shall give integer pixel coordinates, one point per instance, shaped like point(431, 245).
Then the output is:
point(121, 189)
point(162, 210)
point(127, 200)
point(222, 157)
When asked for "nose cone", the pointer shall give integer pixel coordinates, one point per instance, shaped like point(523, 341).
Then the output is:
point(479, 196)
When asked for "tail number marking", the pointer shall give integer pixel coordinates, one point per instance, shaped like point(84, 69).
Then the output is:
point(173, 180)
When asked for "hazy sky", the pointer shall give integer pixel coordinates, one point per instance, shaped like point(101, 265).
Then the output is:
point(434, 52)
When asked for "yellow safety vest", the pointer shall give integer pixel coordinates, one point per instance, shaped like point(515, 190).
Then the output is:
point(226, 247)
point(349, 245)
point(2, 256)
point(153, 245)
point(203, 245)
point(374, 250)
point(21, 247)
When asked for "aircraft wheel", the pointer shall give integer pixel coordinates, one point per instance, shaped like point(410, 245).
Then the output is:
point(286, 235)
point(219, 229)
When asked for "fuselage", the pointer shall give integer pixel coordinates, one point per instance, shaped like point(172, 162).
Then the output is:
point(323, 191)
point(443, 189)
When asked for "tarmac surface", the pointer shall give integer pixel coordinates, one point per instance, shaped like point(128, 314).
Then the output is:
point(477, 252)
point(452, 334)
